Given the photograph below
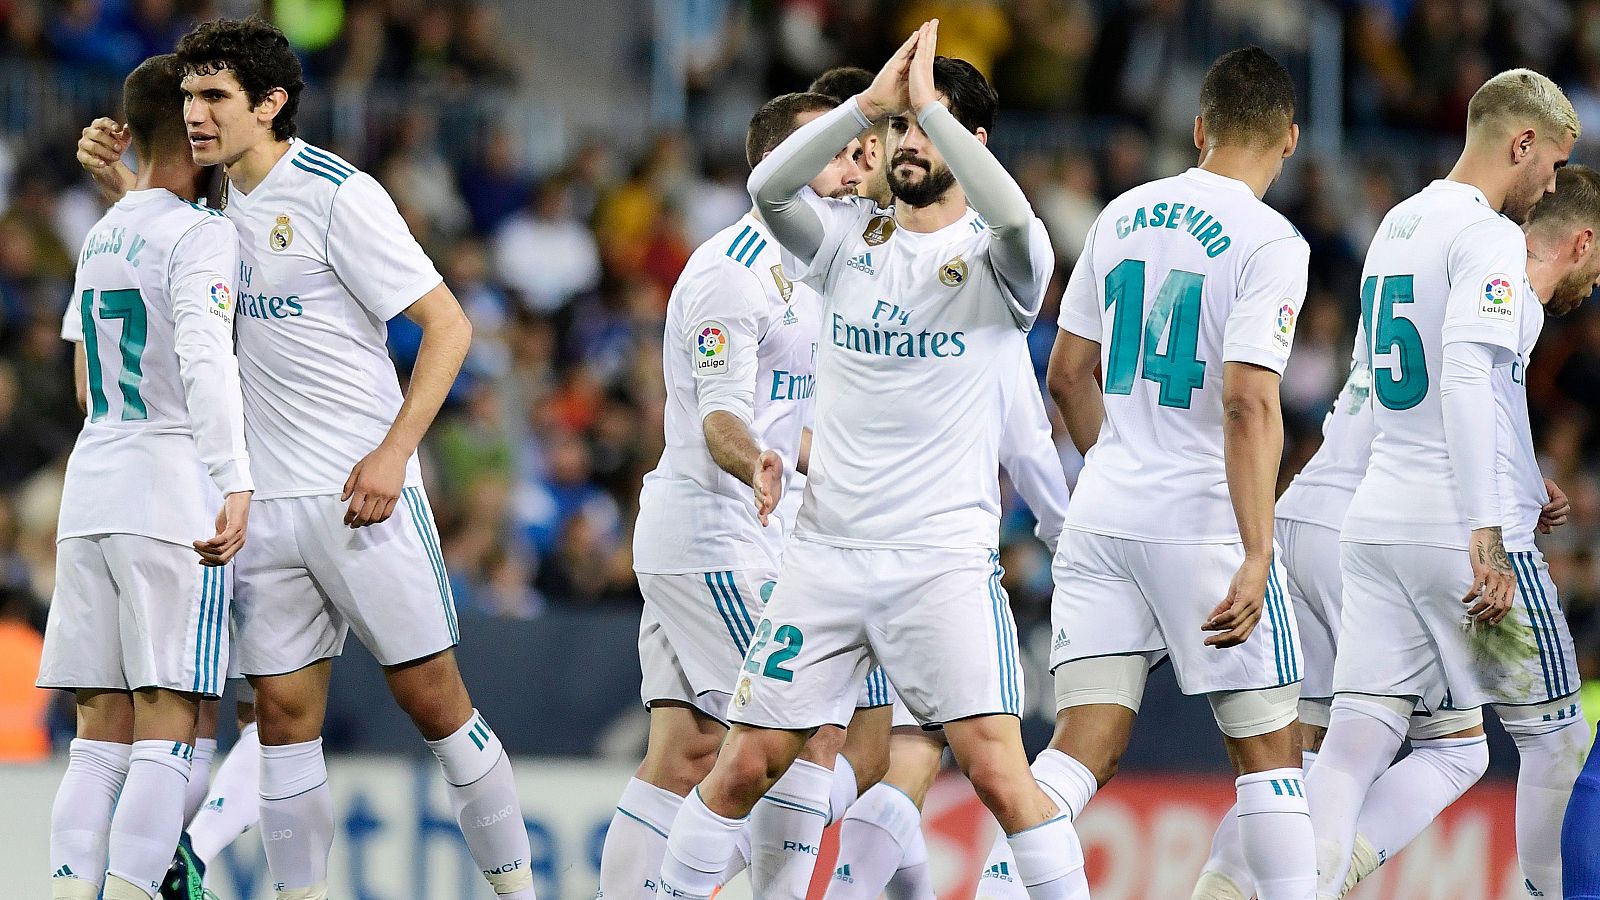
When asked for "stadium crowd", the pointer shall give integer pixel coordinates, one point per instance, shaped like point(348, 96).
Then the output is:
point(535, 466)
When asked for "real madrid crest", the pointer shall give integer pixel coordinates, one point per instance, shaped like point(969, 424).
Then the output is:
point(879, 230)
point(953, 273)
point(741, 694)
point(281, 235)
point(785, 286)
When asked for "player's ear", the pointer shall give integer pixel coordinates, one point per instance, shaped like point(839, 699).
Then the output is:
point(983, 135)
point(1584, 242)
point(268, 108)
point(1294, 140)
point(1522, 144)
point(1199, 133)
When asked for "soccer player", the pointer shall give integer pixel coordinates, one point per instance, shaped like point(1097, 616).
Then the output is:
point(138, 628)
point(1186, 297)
point(1436, 548)
point(893, 559)
point(881, 844)
point(1448, 750)
point(1580, 835)
point(344, 534)
point(739, 359)
point(229, 806)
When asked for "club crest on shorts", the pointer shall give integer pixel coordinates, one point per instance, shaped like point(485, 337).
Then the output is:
point(281, 235)
point(953, 273)
point(879, 230)
point(741, 694)
point(785, 286)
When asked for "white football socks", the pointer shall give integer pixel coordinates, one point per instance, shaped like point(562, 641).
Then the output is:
point(786, 832)
point(80, 820)
point(1226, 875)
point(912, 881)
point(1363, 737)
point(636, 840)
point(1050, 861)
point(234, 804)
point(1550, 760)
point(199, 777)
point(149, 816)
point(1275, 834)
point(999, 880)
point(699, 845)
point(296, 817)
point(1411, 794)
point(483, 793)
point(873, 842)
point(844, 791)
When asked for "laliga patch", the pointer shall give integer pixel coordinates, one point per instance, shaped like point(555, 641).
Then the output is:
point(281, 235)
point(710, 349)
point(1283, 334)
point(953, 273)
point(1499, 299)
point(879, 230)
point(221, 299)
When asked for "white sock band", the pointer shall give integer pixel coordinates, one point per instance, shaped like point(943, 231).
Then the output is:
point(1065, 780)
point(844, 788)
point(469, 753)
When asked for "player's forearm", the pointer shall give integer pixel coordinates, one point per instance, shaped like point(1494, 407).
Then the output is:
point(996, 196)
point(210, 376)
point(802, 463)
point(444, 347)
point(777, 181)
point(1466, 397)
point(732, 447)
point(1252, 445)
point(1074, 389)
point(80, 377)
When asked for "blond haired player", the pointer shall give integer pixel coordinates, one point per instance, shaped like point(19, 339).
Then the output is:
point(1428, 585)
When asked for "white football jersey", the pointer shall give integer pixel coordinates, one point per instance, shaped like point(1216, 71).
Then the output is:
point(1443, 267)
point(1177, 277)
point(153, 305)
point(1522, 493)
point(740, 337)
point(325, 261)
point(1320, 494)
point(915, 376)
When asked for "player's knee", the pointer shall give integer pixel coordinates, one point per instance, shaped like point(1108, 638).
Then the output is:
point(753, 759)
point(1006, 794)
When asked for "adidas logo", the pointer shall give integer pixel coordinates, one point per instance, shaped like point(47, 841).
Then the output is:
point(789, 318)
point(1061, 640)
point(863, 263)
point(1527, 884)
point(64, 872)
point(215, 805)
point(1000, 870)
point(843, 874)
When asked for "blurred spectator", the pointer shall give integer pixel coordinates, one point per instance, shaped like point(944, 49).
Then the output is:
point(23, 707)
point(495, 185)
point(977, 31)
point(545, 254)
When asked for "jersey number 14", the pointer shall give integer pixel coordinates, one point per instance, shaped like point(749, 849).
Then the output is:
point(128, 306)
point(1136, 335)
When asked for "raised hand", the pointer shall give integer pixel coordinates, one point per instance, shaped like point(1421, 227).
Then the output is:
point(100, 149)
point(919, 80)
point(888, 94)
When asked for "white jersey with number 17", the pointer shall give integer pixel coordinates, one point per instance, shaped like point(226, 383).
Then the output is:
point(1177, 277)
point(1443, 267)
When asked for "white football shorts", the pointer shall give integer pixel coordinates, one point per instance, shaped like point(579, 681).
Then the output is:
point(1405, 631)
point(1309, 555)
point(1117, 596)
point(134, 612)
point(936, 619)
point(305, 579)
point(694, 632)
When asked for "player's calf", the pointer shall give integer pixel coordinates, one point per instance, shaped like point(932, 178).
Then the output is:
point(150, 810)
point(1262, 733)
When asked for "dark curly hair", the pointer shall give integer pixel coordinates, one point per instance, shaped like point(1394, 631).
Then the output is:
point(258, 55)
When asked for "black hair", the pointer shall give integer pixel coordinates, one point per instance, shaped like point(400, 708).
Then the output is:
point(971, 98)
point(258, 55)
point(841, 82)
point(1247, 99)
point(777, 119)
point(152, 102)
